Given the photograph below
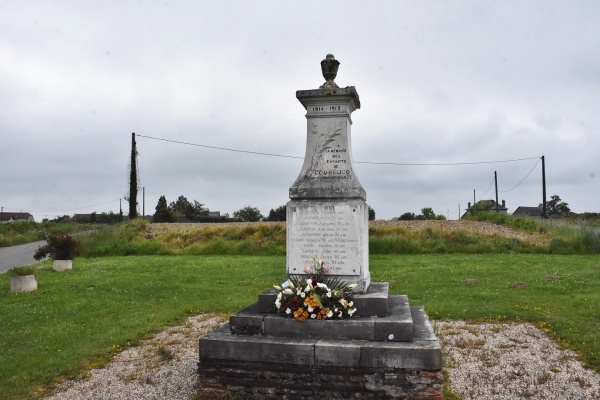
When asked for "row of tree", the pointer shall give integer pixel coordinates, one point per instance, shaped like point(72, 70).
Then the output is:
point(197, 212)
point(426, 214)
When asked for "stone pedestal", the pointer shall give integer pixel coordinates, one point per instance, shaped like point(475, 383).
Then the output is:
point(263, 355)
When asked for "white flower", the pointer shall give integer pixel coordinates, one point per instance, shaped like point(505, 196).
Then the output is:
point(277, 287)
point(351, 311)
point(313, 316)
point(309, 285)
point(291, 283)
point(322, 285)
point(350, 303)
point(288, 291)
point(328, 293)
point(352, 286)
point(344, 303)
point(310, 309)
point(288, 311)
point(298, 292)
point(303, 295)
point(278, 304)
point(330, 314)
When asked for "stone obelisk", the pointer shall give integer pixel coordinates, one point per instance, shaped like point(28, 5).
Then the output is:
point(327, 216)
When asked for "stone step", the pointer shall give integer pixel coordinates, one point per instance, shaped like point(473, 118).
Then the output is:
point(372, 303)
point(423, 352)
point(397, 326)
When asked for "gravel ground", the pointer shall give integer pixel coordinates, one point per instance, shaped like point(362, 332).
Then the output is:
point(163, 367)
point(483, 361)
point(512, 361)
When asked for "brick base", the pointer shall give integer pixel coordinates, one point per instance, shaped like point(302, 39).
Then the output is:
point(254, 380)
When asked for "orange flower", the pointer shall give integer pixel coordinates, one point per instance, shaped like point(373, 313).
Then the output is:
point(323, 313)
point(300, 314)
point(310, 301)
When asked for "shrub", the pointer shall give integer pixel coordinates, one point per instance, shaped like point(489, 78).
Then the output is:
point(62, 247)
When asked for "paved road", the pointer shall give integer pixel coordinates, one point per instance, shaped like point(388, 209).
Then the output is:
point(18, 255)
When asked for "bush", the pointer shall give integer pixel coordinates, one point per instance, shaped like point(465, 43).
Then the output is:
point(62, 247)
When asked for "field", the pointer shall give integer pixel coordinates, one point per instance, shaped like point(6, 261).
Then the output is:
point(81, 318)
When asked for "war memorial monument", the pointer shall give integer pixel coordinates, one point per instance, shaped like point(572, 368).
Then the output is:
point(379, 347)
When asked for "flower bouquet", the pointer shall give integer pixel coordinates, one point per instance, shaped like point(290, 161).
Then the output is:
point(315, 295)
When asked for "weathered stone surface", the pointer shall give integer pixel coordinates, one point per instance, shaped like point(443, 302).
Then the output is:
point(334, 231)
point(423, 331)
point(248, 321)
point(374, 301)
point(398, 325)
point(336, 353)
point(346, 329)
point(407, 355)
point(328, 170)
point(266, 301)
point(222, 345)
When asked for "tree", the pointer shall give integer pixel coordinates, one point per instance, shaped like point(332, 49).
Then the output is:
point(163, 212)
point(278, 214)
point(555, 206)
point(427, 213)
point(133, 180)
point(248, 214)
point(371, 214)
point(407, 216)
point(191, 211)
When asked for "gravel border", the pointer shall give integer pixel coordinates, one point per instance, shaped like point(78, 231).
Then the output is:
point(511, 361)
point(483, 361)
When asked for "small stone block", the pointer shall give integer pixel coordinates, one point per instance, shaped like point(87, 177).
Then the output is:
point(374, 302)
point(398, 325)
point(339, 329)
point(331, 353)
point(266, 301)
point(247, 321)
point(222, 345)
point(423, 330)
point(409, 355)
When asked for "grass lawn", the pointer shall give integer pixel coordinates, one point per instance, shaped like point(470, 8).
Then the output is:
point(78, 319)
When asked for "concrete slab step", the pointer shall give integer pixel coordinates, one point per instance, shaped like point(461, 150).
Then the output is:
point(396, 326)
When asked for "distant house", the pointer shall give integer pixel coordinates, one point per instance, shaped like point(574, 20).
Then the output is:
point(489, 205)
point(214, 213)
point(532, 212)
point(6, 217)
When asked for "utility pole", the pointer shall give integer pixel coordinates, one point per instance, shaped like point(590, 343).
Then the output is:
point(474, 201)
point(144, 201)
point(459, 212)
point(544, 215)
point(496, 183)
point(133, 181)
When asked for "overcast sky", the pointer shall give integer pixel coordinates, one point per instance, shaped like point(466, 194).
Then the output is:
point(440, 82)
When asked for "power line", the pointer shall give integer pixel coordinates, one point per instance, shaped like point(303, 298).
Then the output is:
point(357, 162)
point(522, 180)
point(484, 193)
point(220, 148)
point(74, 209)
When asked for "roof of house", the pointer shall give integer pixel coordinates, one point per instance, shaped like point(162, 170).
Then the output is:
point(529, 211)
point(15, 216)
